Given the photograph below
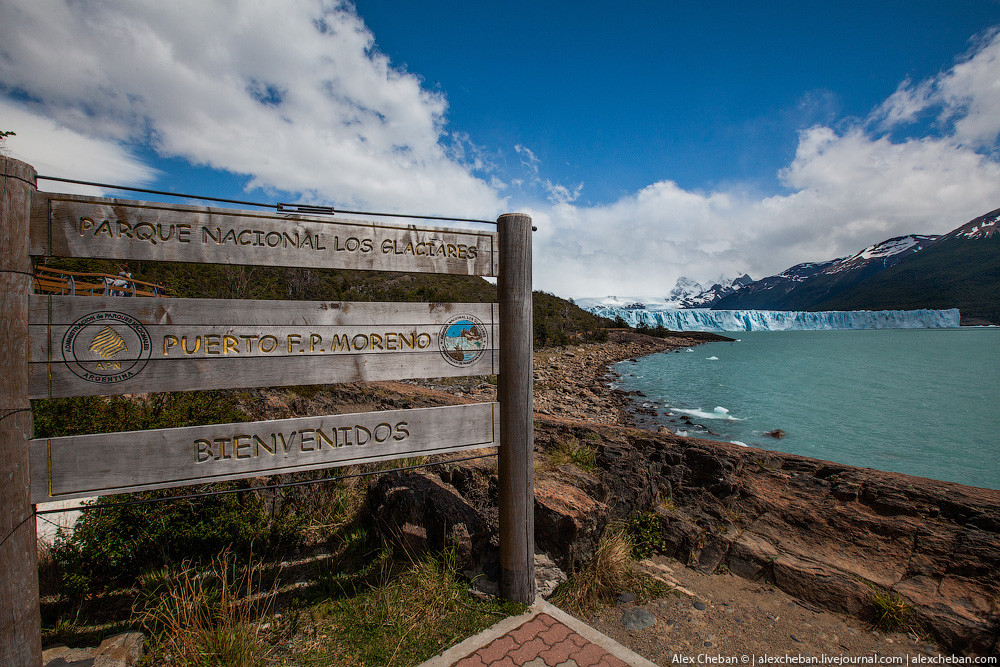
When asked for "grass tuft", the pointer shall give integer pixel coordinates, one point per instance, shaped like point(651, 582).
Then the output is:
point(609, 573)
point(406, 618)
point(571, 450)
point(208, 618)
point(889, 612)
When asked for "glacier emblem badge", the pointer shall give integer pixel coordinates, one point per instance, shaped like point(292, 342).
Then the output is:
point(463, 340)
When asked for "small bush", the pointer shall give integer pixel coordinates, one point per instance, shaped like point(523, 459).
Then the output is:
point(571, 450)
point(646, 532)
point(408, 616)
point(889, 612)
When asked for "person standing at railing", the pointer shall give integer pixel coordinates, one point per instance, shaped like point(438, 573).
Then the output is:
point(121, 283)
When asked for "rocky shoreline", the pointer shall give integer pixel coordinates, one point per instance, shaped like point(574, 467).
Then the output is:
point(572, 382)
point(829, 535)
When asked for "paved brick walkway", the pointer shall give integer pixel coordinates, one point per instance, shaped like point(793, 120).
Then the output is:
point(543, 637)
point(542, 641)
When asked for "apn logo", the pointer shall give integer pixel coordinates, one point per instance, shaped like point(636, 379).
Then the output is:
point(107, 344)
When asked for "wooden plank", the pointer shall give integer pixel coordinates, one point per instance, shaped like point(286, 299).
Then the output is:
point(108, 345)
point(20, 625)
point(80, 226)
point(95, 465)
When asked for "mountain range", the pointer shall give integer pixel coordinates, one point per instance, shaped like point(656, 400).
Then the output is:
point(804, 286)
point(960, 269)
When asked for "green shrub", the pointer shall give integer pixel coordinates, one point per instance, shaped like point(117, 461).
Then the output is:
point(571, 450)
point(112, 545)
point(646, 530)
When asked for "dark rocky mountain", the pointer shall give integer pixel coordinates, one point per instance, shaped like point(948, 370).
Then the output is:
point(803, 286)
point(959, 270)
point(983, 227)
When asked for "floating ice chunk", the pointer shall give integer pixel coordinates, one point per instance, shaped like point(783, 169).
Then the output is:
point(719, 408)
point(712, 358)
point(701, 414)
point(689, 350)
point(741, 444)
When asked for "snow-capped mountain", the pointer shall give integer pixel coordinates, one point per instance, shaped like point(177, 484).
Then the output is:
point(887, 252)
point(803, 286)
point(916, 271)
point(983, 227)
point(686, 293)
point(711, 295)
point(957, 270)
point(625, 302)
point(685, 288)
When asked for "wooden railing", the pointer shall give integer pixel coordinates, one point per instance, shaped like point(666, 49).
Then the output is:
point(57, 281)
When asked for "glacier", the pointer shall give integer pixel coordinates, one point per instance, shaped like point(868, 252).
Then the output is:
point(703, 319)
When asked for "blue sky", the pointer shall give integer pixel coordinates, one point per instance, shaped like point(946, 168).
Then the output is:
point(648, 140)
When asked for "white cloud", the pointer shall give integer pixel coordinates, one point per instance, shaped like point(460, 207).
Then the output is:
point(54, 150)
point(291, 92)
point(850, 190)
point(965, 97)
point(561, 194)
point(528, 158)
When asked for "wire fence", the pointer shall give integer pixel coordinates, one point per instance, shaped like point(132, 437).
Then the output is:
point(307, 209)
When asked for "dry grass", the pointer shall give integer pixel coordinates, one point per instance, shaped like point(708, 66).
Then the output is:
point(609, 573)
point(209, 618)
point(571, 450)
point(890, 613)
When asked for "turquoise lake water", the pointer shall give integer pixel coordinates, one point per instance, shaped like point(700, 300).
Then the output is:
point(918, 401)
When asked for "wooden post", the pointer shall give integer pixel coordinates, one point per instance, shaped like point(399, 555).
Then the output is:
point(20, 625)
point(517, 501)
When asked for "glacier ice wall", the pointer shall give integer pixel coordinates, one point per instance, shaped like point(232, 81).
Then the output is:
point(781, 320)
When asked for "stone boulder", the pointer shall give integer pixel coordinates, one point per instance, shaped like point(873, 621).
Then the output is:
point(416, 512)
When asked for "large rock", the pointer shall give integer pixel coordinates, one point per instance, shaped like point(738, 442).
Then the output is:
point(123, 650)
point(417, 511)
point(568, 522)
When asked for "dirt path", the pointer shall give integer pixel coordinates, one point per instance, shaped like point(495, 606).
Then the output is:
point(731, 617)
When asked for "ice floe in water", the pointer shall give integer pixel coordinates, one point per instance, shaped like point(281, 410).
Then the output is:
point(741, 444)
point(712, 358)
point(718, 413)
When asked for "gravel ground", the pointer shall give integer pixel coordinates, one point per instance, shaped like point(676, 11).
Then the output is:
point(728, 618)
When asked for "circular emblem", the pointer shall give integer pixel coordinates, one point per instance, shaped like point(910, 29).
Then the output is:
point(106, 347)
point(463, 340)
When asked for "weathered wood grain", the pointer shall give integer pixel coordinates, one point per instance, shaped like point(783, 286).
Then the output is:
point(95, 465)
point(80, 226)
point(20, 626)
point(515, 393)
point(117, 345)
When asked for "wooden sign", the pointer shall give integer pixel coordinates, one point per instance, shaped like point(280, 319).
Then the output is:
point(79, 226)
point(110, 345)
point(95, 465)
